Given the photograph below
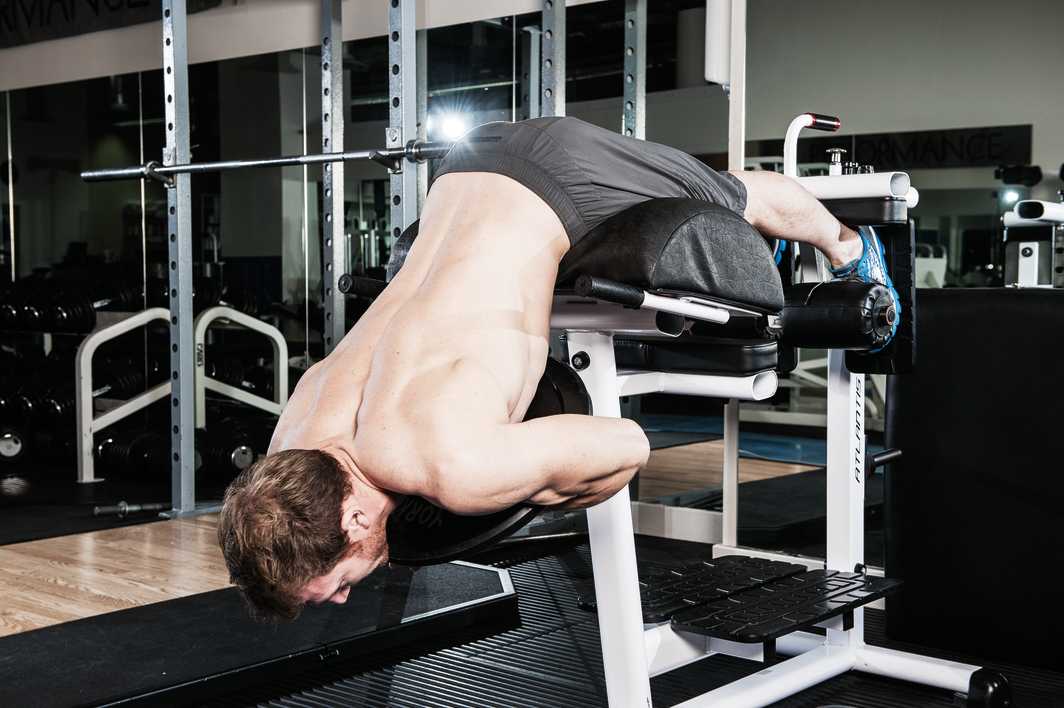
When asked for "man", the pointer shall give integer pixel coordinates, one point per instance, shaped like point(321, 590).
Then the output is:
point(426, 394)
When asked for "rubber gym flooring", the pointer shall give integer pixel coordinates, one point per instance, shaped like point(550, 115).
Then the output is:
point(553, 659)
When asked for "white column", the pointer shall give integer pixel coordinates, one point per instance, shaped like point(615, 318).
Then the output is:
point(612, 537)
point(845, 477)
point(730, 482)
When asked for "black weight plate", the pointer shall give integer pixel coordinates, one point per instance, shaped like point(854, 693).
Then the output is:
point(420, 533)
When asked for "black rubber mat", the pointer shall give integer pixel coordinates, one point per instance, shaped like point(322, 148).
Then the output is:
point(554, 659)
point(184, 650)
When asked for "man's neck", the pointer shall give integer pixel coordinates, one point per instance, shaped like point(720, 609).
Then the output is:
point(379, 498)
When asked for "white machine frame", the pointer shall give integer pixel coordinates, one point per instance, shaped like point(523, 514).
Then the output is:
point(633, 652)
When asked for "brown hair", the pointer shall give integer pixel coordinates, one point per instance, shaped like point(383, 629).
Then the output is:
point(280, 528)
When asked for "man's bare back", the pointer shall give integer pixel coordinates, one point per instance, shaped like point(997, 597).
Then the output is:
point(427, 390)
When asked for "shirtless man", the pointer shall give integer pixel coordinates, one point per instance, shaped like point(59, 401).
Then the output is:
point(426, 394)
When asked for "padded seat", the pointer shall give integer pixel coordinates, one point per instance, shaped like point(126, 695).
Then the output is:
point(681, 246)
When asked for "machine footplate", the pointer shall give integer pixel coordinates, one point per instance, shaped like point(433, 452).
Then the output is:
point(744, 599)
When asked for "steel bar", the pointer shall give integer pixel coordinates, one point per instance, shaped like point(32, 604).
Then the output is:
point(333, 252)
point(402, 108)
point(179, 218)
point(530, 73)
point(633, 122)
point(553, 57)
point(414, 152)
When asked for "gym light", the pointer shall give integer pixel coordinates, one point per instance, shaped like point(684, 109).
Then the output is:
point(1011, 196)
point(453, 126)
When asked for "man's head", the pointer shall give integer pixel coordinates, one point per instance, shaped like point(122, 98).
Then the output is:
point(298, 527)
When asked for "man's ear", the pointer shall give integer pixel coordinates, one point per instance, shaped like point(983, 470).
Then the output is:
point(354, 520)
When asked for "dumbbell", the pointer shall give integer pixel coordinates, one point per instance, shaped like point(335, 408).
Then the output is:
point(127, 453)
point(13, 444)
point(78, 314)
point(255, 379)
point(123, 509)
point(117, 377)
point(225, 450)
point(24, 299)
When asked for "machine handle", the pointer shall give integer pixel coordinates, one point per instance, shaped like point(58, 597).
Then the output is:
point(357, 285)
point(828, 124)
point(609, 290)
point(881, 458)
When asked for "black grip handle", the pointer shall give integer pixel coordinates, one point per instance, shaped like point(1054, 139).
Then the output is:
point(609, 290)
point(357, 285)
point(828, 124)
point(881, 458)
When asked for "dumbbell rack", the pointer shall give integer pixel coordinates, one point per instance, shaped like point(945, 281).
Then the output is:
point(109, 326)
point(115, 324)
point(205, 383)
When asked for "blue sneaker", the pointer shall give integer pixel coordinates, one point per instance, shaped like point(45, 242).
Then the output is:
point(871, 267)
point(777, 250)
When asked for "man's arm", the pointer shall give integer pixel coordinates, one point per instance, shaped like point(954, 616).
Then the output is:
point(778, 206)
point(574, 460)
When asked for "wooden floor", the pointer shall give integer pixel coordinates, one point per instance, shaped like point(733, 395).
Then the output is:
point(61, 579)
point(684, 468)
point(70, 577)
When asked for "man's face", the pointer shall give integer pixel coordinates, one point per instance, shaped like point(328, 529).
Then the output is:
point(335, 585)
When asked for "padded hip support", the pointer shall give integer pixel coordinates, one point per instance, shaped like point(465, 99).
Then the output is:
point(680, 245)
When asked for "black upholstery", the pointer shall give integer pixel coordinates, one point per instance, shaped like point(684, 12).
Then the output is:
point(680, 245)
point(693, 354)
point(974, 506)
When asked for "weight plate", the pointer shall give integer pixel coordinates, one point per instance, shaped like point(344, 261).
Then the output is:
point(420, 533)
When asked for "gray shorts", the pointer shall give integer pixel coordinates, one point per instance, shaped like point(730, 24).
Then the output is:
point(586, 173)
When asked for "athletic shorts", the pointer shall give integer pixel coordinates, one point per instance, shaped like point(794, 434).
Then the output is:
point(586, 174)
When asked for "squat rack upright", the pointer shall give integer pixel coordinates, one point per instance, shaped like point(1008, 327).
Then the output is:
point(401, 148)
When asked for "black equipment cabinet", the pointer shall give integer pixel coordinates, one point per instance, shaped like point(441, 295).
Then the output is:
point(974, 508)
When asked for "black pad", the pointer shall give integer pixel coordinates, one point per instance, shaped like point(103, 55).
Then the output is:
point(681, 245)
point(694, 354)
point(420, 533)
point(973, 509)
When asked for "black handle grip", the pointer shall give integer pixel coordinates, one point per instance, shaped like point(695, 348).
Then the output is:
point(609, 290)
point(357, 285)
point(828, 124)
point(881, 458)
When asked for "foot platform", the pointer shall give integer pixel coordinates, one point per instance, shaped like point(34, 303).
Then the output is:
point(744, 599)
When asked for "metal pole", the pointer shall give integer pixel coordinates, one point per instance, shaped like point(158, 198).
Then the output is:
point(415, 152)
point(182, 361)
point(613, 557)
point(730, 482)
point(332, 139)
point(737, 88)
point(10, 188)
point(304, 236)
point(633, 122)
point(402, 108)
point(553, 53)
point(530, 60)
point(422, 113)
